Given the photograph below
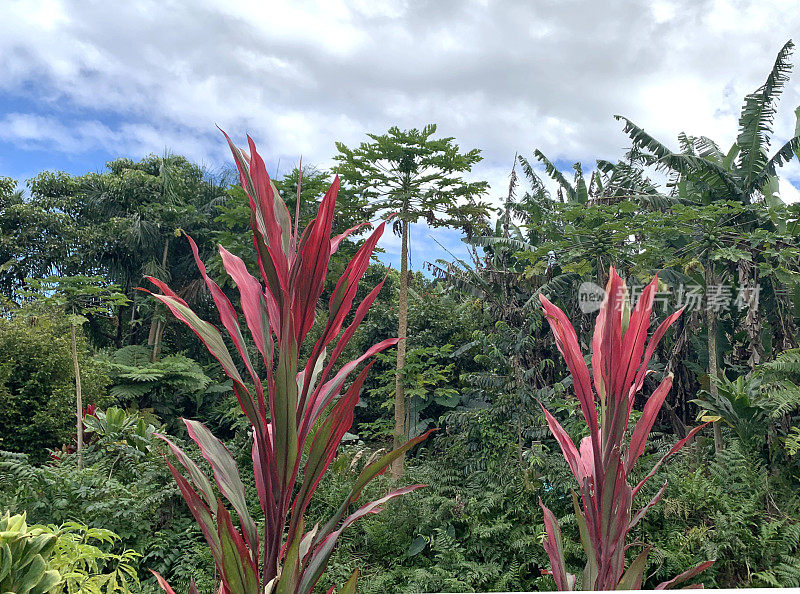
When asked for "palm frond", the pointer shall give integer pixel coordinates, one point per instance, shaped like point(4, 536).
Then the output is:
point(708, 148)
point(700, 170)
point(784, 155)
point(758, 113)
point(508, 242)
point(642, 139)
point(556, 175)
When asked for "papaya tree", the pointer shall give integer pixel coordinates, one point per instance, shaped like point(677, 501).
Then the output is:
point(416, 176)
point(79, 297)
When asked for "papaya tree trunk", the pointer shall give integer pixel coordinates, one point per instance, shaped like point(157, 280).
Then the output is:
point(78, 395)
point(402, 331)
point(713, 371)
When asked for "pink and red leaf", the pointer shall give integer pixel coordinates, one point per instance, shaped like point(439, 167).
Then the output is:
point(603, 463)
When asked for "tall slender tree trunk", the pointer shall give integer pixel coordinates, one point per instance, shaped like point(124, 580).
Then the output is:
point(157, 330)
point(748, 285)
point(785, 328)
point(713, 372)
point(402, 331)
point(131, 331)
point(78, 395)
point(156, 354)
point(118, 329)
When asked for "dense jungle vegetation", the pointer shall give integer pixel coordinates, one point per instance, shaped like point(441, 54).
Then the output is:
point(478, 359)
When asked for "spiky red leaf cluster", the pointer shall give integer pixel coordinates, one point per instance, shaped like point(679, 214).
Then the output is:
point(292, 409)
point(603, 462)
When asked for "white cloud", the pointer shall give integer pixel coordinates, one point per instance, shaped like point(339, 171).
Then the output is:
point(33, 131)
point(501, 76)
point(788, 191)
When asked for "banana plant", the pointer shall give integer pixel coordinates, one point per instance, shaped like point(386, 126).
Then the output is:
point(603, 462)
point(293, 410)
point(738, 403)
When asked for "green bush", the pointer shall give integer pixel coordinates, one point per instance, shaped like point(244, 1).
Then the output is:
point(122, 486)
point(732, 509)
point(37, 390)
point(463, 533)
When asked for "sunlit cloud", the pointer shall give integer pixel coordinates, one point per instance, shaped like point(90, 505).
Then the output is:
point(138, 77)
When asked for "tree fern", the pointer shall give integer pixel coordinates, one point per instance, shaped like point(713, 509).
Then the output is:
point(166, 385)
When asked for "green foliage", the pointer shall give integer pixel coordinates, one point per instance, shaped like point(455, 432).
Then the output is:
point(87, 568)
point(118, 224)
point(116, 427)
point(458, 535)
point(85, 295)
point(737, 403)
point(171, 387)
point(179, 553)
point(417, 176)
point(37, 391)
point(763, 408)
point(24, 557)
point(428, 373)
point(781, 383)
point(70, 559)
point(123, 486)
point(32, 237)
point(740, 513)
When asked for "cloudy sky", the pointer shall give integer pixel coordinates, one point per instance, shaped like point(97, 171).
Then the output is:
point(83, 82)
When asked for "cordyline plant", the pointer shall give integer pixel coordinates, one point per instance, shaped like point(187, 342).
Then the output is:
point(292, 410)
point(603, 462)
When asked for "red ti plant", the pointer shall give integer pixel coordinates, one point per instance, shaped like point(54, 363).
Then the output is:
point(603, 462)
point(293, 410)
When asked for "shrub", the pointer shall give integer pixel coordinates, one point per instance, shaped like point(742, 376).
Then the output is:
point(603, 462)
point(37, 389)
point(292, 410)
point(84, 566)
point(24, 557)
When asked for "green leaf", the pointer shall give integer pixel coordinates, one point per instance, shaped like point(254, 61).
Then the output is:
point(417, 546)
point(632, 579)
point(226, 474)
point(350, 586)
point(237, 567)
